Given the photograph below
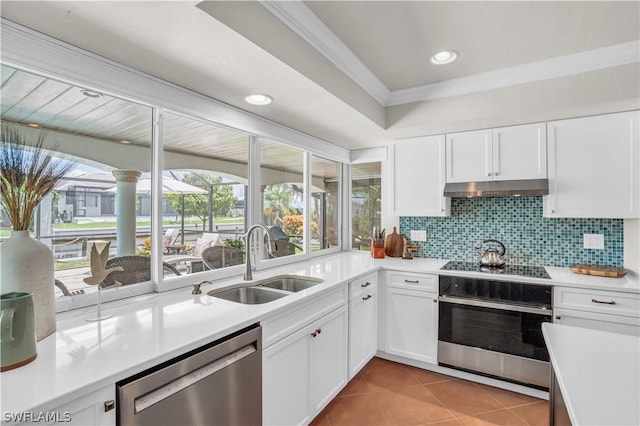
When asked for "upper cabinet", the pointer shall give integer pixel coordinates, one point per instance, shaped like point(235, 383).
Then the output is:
point(593, 167)
point(417, 177)
point(507, 153)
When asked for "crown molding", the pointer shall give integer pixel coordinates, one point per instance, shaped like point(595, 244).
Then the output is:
point(299, 18)
point(562, 66)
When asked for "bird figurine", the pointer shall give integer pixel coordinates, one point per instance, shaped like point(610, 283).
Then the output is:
point(98, 265)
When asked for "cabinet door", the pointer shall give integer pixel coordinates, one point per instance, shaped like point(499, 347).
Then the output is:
point(418, 175)
point(285, 381)
point(520, 152)
point(594, 167)
point(328, 366)
point(95, 408)
point(604, 322)
point(412, 324)
point(363, 330)
point(469, 156)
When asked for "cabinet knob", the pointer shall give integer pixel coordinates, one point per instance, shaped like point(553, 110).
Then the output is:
point(435, 300)
point(315, 333)
point(367, 297)
point(109, 405)
point(367, 284)
point(488, 174)
point(558, 317)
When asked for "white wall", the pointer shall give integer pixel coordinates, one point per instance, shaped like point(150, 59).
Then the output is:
point(632, 246)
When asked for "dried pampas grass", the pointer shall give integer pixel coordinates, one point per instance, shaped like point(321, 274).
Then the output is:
point(28, 173)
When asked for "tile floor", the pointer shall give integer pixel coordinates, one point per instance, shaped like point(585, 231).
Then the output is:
point(388, 393)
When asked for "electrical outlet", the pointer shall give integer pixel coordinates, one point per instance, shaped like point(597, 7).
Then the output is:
point(418, 235)
point(593, 241)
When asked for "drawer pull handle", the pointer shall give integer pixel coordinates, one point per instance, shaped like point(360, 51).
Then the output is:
point(613, 302)
point(367, 297)
point(367, 284)
point(315, 333)
point(109, 405)
point(412, 281)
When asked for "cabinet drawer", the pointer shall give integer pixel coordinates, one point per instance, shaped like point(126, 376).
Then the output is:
point(290, 320)
point(368, 283)
point(418, 282)
point(606, 302)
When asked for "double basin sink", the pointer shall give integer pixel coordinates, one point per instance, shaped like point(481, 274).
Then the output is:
point(266, 290)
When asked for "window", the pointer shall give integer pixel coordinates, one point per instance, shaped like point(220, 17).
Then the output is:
point(365, 203)
point(282, 196)
point(104, 137)
point(325, 203)
point(205, 185)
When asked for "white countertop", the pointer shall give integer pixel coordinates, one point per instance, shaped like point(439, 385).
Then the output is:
point(598, 374)
point(143, 331)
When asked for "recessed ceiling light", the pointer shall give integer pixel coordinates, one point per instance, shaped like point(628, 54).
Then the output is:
point(125, 142)
point(34, 125)
point(444, 57)
point(258, 99)
point(91, 94)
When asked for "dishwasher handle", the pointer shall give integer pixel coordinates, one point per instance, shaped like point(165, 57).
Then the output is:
point(145, 401)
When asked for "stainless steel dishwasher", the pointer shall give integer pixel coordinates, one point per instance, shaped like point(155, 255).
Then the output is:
point(218, 384)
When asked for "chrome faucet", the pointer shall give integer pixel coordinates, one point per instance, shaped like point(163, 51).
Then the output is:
point(247, 239)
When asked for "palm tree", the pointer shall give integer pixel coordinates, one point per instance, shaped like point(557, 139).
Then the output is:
point(278, 197)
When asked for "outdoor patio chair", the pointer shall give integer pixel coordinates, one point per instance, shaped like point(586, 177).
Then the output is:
point(222, 256)
point(169, 241)
point(136, 269)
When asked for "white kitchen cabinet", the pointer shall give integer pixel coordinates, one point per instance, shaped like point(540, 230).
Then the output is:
point(96, 408)
point(469, 156)
point(363, 322)
point(411, 317)
point(597, 309)
point(418, 177)
point(506, 153)
point(594, 167)
point(305, 370)
point(328, 343)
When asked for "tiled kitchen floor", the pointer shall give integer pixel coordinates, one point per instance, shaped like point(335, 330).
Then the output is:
point(388, 393)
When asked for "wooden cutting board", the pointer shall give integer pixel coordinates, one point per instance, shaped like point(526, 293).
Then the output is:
point(393, 244)
point(602, 271)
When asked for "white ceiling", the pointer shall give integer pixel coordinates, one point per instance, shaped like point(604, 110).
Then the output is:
point(369, 47)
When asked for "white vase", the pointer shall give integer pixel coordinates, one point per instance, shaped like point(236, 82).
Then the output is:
point(26, 264)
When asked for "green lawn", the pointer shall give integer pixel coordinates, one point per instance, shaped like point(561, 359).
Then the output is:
point(4, 233)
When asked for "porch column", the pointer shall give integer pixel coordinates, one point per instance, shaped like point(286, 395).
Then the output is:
point(126, 211)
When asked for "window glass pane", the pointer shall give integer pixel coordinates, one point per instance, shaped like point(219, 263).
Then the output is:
point(325, 185)
point(108, 142)
point(204, 181)
point(281, 178)
point(365, 203)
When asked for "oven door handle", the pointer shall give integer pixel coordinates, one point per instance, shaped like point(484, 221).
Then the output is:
point(502, 306)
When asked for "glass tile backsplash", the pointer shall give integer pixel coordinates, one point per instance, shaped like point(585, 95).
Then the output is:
point(516, 221)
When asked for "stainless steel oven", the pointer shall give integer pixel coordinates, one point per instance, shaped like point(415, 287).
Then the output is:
point(494, 328)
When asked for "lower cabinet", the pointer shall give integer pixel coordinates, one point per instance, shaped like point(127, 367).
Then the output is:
point(411, 317)
point(616, 312)
point(96, 408)
point(305, 370)
point(363, 322)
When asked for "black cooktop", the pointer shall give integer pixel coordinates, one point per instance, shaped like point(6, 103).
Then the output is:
point(522, 270)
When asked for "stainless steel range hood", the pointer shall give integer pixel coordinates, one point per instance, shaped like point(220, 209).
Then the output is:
point(504, 188)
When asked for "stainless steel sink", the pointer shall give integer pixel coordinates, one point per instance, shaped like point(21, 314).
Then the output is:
point(290, 283)
point(248, 295)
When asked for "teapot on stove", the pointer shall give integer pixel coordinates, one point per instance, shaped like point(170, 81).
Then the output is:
point(491, 256)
